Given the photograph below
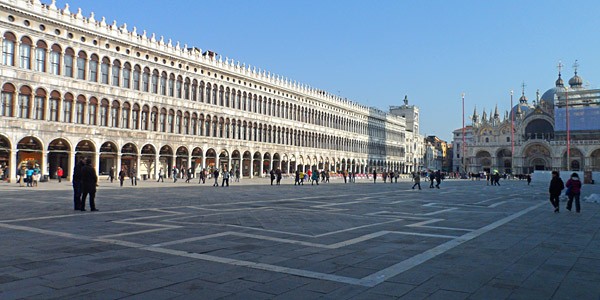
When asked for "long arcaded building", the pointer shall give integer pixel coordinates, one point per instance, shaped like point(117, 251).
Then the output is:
point(74, 86)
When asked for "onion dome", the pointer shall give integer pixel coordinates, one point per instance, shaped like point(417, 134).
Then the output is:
point(576, 81)
point(559, 82)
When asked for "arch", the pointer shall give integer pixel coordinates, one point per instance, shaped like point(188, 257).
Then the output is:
point(575, 162)
point(595, 160)
point(211, 159)
point(536, 157)
point(224, 163)
point(30, 153)
point(246, 163)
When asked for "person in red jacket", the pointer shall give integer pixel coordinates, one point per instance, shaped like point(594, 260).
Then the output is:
point(574, 186)
point(59, 173)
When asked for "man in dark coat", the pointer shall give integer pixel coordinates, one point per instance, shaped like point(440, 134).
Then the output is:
point(77, 184)
point(556, 187)
point(89, 181)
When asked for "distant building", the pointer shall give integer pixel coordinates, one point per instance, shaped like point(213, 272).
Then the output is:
point(541, 133)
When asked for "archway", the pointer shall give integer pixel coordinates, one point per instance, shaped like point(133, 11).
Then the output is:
point(224, 160)
point(504, 159)
point(148, 161)
point(181, 159)
point(276, 161)
point(537, 157)
point(211, 160)
point(292, 165)
point(256, 164)
point(129, 156)
point(166, 159)
point(246, 162)
point(483, 161)
point(575, 161)
point(236, 161)
point(85, 149)
point(5, 150)
point(197, 155)
point(266, 163)
point(58, 156)
point(29, 154)
point(595, 160)
point(108, 157)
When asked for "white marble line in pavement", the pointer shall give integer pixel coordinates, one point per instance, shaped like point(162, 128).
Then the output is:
point(380, 276)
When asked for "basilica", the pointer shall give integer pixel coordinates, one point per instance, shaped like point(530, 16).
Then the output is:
point(558, 131)
point(75, 86)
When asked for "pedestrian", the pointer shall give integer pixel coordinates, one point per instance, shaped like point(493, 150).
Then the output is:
point(225, 178)
point(417, 179)
point(438, 178)
point(216, 177)
point(302, 175)
point(315, 178)
point(122, 175)
point(202, 176)
point(160, 175)
point(431, 179)
point(89, 182)
point(22, 173)
point(392, 176)
point(29, 177)
point(385, 176)
point(556, 187)
point(297, 178)
point(133, 176)
point(278, 175)
point(77, 184)
point(574, 192)
point(272, 173)
point(374, 176)
point(528, 179)
point(59, 173)
point(345, 175)
point(111, 174)
point(189, 174)
point(237, 175)
point(175, 171)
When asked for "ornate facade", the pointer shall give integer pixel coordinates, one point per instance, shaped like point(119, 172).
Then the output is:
point(74, 86)
point(541, 133)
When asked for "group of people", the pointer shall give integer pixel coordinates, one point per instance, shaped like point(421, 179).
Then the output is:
point(85, 181)
point(573, 192)
point(26, 176)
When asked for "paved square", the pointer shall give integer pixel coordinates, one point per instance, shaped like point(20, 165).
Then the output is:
point(336, 241)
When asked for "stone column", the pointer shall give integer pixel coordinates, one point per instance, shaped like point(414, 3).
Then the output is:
point(157, 166)
point(12, 166)
point(137, 165)
point(72, 163)
point(44, 167)
point(119, 167)
point(97, 162)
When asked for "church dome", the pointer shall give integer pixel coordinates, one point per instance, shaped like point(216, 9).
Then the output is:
point(575, 81)
point(559, 81)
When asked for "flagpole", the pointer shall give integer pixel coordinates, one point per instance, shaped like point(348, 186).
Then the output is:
point(512, 134)
point(568, 130)
point(463, 133)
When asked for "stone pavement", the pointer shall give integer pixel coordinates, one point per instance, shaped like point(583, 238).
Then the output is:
point(332, 241)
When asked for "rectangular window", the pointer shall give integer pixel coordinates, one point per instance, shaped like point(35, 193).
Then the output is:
point(125, 119)
point(68, 66)
point(103, 115)
point(6, 108)
point(155, 84)
point(145, 82)
point(55, 63)
point(170, 124)
point(67, 108)
point(126, 78)
point(81, 68)
point(93, 71)
point(54, 110)
point(79, 112)
point(171, 87)
point(92, 114)
point(40, 60)
point(178, 89)
point(8, 53)
point(163, 121)
point(115, 75)
point(25, 61)
point(114, 117)
point(38, 111)
point(104, 73)
point(136, 80)
point(24, 106)
point(163, 86)
point(145, 120)
point(134, 118)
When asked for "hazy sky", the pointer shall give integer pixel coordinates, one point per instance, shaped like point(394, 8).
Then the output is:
point(375, 52)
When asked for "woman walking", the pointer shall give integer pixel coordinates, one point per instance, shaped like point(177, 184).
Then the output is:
point(574, 188)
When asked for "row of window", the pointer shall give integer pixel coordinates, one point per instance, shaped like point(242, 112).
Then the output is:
point(135, 77)
point(113, 114)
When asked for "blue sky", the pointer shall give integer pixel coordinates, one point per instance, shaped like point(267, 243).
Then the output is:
point(375, 52)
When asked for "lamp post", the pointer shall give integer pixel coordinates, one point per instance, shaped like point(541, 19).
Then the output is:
point(568, 129)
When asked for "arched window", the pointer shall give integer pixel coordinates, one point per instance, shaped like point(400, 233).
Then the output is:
point(80, 109)
point(487, 140)
point(55, 54)
point(154, 119)
point(39, 104)
point(146, 80)
point(69, 62)
point(54, 106)
point(207, 125)
point(81, 62)
point(137, 70)
point(104, 112)
point(227, 92)
point(104, 70)
point(201, 91)
point(125, 112)
point(145, 118)
point(155, 81)
point(163, 120)
point(8, 49)
point(163, 84)
point(186, 89)
point(171, 85)
point(170, 121)
point(208, 93)
point(135, 117)
point(186, 123)
point(214, 94)
point(221, 99)
point(94, 59)
point(40, 56)
point(127, 75)
point(24, 102)
point(93, 111)
point(178, 87)
point(194, 91)
point(67, 107)
point(25, 53)
point(116, 70)
point(114, 114)
point(178, 123)
point(194, 124)
point(8, 95)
